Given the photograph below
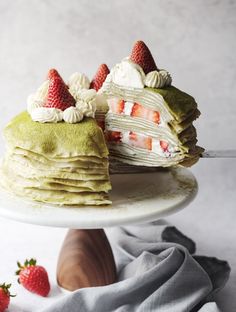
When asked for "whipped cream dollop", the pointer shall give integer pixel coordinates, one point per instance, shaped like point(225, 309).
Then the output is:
point(86, 102)
point(47, 114)
point(72, 115)
point(37, 99)
point(131, 75)
point(158, 79)
point(78, 81)
point(127, 74)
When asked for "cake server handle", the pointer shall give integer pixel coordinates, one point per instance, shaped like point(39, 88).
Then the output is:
point(219, 154)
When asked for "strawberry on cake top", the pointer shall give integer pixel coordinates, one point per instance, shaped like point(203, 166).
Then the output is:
point(101, 103)
point(149, 122)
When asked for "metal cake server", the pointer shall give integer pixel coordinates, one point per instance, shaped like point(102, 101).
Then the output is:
point(219, 154)
point(121, 168)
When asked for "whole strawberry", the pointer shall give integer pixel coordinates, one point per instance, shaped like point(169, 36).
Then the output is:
point(142, 56)
point(4, 296)
point(99, 77)
point(58, 94)
point(33, 277)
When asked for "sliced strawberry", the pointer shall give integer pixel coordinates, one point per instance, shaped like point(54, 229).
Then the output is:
point(101, 123)
point(99, 77)
point(142, 56)
point(120, 106)
point(140, 111)
point(113, 136)
point(58, 95)
point(141, 141)
point(164, 145)
point(116, 105)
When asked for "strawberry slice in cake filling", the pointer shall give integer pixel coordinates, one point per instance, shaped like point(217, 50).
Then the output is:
point(135, 110)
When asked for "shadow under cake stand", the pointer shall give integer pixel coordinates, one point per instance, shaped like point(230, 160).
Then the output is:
point(86, 258)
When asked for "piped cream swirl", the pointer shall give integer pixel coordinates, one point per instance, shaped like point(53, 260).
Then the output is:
point(158, 79)
point(47, 114)
point(87, 102)
point(78, 81)
point(72, 115)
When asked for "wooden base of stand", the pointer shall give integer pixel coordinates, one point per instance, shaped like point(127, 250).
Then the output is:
point(85, 260)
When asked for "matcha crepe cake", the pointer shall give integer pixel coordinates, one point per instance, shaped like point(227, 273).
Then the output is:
point(56, 152)
point(149, 121)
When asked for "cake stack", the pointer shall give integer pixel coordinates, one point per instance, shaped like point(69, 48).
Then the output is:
point(58, 163)
point(149, 122)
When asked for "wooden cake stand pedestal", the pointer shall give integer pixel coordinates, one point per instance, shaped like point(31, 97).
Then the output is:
point(86, 257)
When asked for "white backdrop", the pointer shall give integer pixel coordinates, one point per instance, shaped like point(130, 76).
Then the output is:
point(194, 40)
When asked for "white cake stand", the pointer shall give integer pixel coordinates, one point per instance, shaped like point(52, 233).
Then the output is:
point(86, 258)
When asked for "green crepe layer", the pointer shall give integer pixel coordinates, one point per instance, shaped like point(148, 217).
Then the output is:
point(180, 104)
point(30, 163)
point(74, 162)
point(178, 110)
point(60, 140)
point(61, 163)
point(57, 197)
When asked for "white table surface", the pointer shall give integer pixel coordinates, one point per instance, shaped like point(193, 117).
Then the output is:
point(209, 220)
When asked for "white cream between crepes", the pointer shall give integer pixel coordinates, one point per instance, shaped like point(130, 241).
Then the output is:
point(131, 75)
point(47, 114)
point(155, 145)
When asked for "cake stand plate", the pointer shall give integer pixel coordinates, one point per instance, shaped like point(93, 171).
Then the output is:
point(86, 258)
point(136, 198)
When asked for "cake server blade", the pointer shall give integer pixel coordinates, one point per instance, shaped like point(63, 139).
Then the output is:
point(219, 154)
point(121, 168)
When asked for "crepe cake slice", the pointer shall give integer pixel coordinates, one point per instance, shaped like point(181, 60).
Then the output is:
point(61, 163)
point(149, 122)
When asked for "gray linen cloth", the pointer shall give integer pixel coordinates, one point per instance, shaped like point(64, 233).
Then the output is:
point(156, 272)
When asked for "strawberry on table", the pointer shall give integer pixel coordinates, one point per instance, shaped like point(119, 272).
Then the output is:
point(5, 296)
point(58, 94)
point(142, 56)
point(33, 277)
point(99, 77)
